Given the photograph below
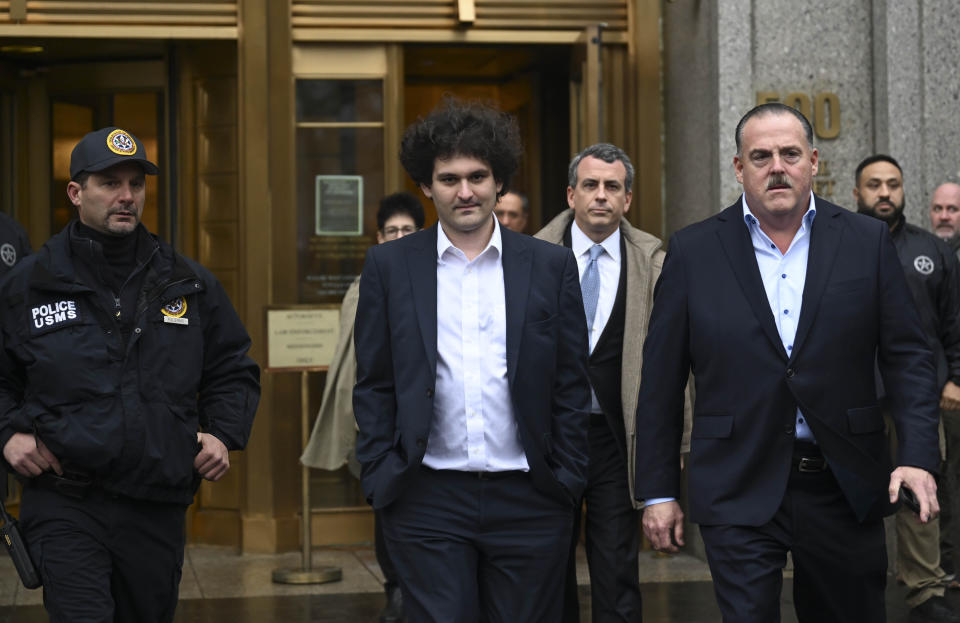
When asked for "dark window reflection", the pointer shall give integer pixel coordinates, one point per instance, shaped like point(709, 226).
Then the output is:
point(342, 101)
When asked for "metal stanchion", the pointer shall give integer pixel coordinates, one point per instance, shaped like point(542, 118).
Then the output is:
point(306, 574)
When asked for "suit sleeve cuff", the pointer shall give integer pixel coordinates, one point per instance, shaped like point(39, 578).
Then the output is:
point(653, 501)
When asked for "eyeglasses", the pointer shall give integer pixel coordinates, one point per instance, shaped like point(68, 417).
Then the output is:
point(394, 232)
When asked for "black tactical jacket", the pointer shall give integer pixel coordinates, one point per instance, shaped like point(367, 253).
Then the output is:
point(933, 275)
point(127, 411)
point(14, 244)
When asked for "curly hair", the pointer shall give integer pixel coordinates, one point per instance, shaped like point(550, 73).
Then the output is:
point(456, 128)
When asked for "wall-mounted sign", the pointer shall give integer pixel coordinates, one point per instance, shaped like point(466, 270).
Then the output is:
point(824, 113)
point(301, 337)
point(339, 205)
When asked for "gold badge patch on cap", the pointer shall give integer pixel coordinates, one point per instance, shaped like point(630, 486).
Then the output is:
point(174, 309)
point(119, 142)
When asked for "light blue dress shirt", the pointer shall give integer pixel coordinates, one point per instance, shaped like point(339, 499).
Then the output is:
point(784, 275)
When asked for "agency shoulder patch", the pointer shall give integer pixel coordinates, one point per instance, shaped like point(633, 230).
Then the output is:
point(923, 264)
point(54, 315)
point(8, 253)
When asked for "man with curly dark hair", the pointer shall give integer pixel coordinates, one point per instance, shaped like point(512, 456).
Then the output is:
point(472, 398)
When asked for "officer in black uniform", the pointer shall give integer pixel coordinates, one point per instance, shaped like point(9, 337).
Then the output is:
point(14, 244)
point(124, 380)
point(932, 273)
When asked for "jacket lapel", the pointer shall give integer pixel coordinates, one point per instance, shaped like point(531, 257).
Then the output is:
point(824, 243)
point(422, 268)
point(736, 243)
point(517, 264)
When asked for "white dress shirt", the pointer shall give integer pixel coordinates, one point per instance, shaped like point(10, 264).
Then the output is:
point(784, 275)
point(474, 427)
point(608, 266)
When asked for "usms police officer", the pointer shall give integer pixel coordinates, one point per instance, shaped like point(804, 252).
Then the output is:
point(124, 380)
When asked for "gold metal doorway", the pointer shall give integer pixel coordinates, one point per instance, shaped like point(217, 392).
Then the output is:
point(52, 96)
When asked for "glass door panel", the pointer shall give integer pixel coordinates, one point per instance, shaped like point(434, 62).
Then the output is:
point(339, 183)
point(340, 180)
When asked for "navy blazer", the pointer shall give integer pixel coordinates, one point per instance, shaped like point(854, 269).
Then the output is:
point(396, 344)
point(711, 315)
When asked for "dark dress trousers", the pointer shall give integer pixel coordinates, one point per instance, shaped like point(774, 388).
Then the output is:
point(711, 315)
point(612, 523)
point(430, 517)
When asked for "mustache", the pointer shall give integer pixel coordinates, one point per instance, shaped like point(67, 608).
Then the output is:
point(779, 179)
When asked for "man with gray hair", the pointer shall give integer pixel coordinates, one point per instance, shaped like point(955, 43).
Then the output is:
point(945, 214)
point(945, 223)
point(619, 265)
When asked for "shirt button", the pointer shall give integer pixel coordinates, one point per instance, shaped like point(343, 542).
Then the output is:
point(783, 276)
point(786, 312)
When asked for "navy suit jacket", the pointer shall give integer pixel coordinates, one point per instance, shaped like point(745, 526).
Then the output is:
point(711, 315)
point(396, 344)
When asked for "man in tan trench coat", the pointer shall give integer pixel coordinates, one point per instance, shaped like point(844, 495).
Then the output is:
point(619, 265)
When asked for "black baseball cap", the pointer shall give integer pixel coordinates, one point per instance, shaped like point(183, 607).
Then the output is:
point(103, 148)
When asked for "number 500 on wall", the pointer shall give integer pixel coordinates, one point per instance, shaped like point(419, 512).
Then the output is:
point(824, 113)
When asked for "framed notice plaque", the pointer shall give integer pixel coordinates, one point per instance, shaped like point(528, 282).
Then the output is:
point(301, 337)
point(339, 205)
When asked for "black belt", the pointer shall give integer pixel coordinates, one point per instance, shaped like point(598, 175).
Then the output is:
point(477, 475)
point(70, 484)
point(496, 475)
point(808, 458)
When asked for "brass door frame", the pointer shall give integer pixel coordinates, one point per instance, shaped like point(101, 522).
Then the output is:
point(361, 61)
point(267, 144)
point(586, 94)
point(33, 99)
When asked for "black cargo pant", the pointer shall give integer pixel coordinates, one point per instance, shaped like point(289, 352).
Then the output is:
point(104, 557)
